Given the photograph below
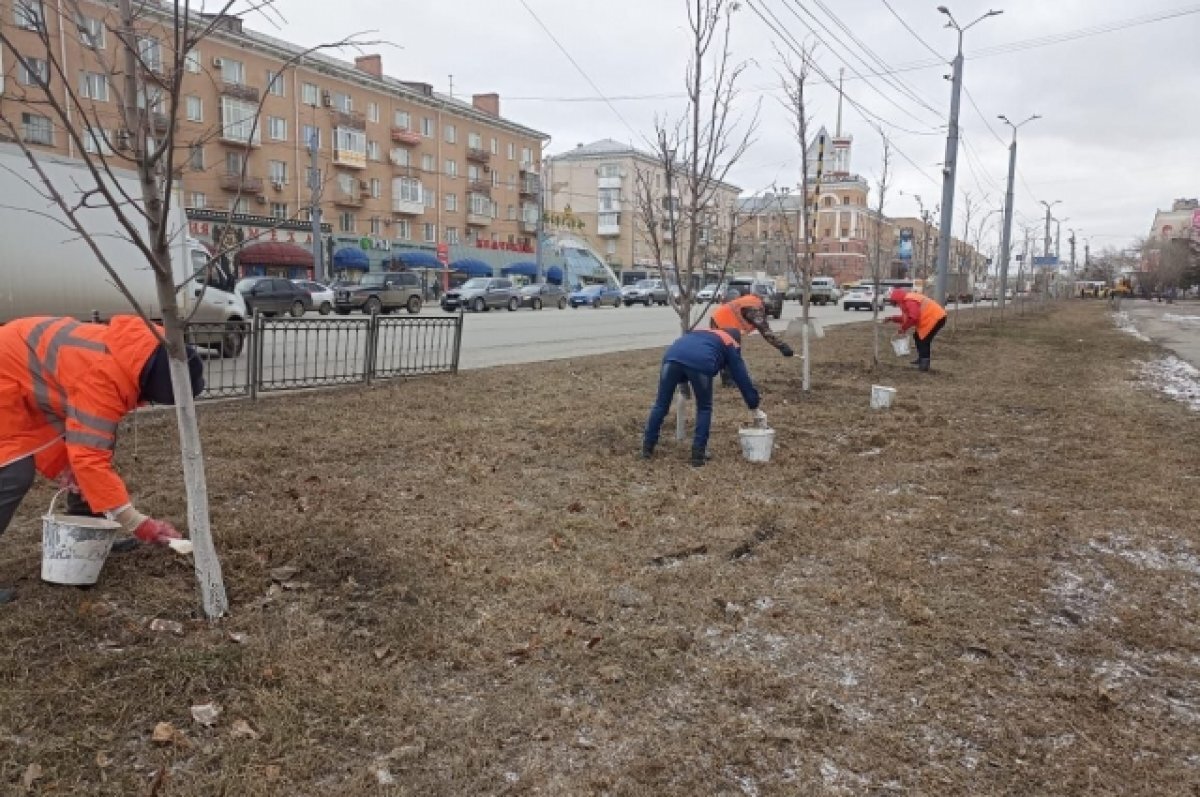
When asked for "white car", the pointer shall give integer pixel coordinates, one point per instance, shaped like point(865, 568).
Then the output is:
point(861, 297)
point(322, 295)
point(710, 290)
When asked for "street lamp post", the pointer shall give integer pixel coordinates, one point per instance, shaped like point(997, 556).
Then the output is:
point(950, 167)
point(1006, 234)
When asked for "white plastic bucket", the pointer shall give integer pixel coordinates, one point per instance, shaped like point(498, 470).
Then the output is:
point(882, 397)
point(901, 347)
point(74, 548)
point(757, 444)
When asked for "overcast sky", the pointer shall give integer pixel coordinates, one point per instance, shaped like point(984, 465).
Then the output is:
point(1120, 135)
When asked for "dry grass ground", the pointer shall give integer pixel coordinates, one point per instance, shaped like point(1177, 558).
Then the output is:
point(471, 586)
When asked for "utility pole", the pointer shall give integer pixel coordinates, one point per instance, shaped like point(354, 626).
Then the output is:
point(314, 211)
point(1046, 244)
point(950, 166)
point(541, 215)
point(1006, 233)
point(1071, 241)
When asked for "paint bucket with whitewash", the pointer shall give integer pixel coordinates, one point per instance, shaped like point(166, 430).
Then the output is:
point(757, 443)
point(74, 547)
point(882, 397)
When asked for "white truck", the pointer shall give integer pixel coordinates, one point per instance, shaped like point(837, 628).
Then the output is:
point(46, 269)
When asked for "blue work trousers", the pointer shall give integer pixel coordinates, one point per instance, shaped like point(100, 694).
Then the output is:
point(670, 378)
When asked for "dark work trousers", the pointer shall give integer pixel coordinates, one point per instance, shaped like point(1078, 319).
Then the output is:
point(924, 344)
point(15, 480)
point(672, 376)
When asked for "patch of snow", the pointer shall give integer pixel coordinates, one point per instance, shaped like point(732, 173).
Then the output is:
point(1182, 320)
point(1126, 325)
point(1151, 558)
point(1174, 377)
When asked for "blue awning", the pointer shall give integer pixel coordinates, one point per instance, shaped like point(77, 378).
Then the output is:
point(350, 258)
point(472, 268)
point(524, 269)
point(417, 260)
point(554, 274)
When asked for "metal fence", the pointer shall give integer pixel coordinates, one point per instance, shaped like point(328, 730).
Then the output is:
point(279, 354)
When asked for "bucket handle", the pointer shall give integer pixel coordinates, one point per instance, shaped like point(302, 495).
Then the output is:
point(54, 501)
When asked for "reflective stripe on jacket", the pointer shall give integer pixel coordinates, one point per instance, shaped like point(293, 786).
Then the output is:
point(64, 388)
point(729, 315)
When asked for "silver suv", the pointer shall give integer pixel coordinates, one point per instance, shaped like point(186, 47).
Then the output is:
point(482, 293)
point(380, 292)
point(647, 292)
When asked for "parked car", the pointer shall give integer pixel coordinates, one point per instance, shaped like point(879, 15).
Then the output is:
point(861, 297)
point(763, 289)
point(542, 295)
point(709, 291)
point(380, 292)
point(322, 295)
point(479, 294)
point(595, 296)
point(823, 291)
point(274, 296)
point(647, 292)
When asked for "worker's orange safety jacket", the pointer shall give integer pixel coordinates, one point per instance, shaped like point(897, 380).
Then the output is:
point(729, 315)
point(64, 387)
point(921, 312)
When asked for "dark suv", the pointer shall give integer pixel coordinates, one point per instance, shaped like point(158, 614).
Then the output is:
point(763, 289)
point(274, 296)
point(380, 292)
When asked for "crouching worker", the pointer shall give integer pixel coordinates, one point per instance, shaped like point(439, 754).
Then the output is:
point(64, 388)
point(921, 314)
point(695, 359)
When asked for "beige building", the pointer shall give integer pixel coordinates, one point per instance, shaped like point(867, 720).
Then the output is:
point(593, 189)
point(401, 168)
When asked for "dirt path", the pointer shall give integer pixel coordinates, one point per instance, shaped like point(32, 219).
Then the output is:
point(991, 589)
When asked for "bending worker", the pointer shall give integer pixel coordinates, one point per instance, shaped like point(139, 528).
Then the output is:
point(64, 387)
point(921, 314)
point(694, 359)
point(747, 314)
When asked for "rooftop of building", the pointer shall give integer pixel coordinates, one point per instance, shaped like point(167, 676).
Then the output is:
point(607, 148)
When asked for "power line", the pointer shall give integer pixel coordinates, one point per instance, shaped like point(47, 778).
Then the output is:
point(902, 21)
point(986, 123)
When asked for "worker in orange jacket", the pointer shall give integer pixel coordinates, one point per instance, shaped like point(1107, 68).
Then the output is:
point(921, 314)
point(746, 313)
point(64, 388)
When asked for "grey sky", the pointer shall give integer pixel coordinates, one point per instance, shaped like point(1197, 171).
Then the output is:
point(1120, 136)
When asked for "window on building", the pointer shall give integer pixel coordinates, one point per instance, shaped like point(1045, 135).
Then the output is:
point(233, 71)
point(480, 205)
point(430, 232)
point(197, 200)
point(97, 142)
point(34, 72)
point(373, 150)
point(609, 170)
point(427, 127)
point(473, 173)
point(610, 247)
point(400, 156)
point(349, 144)
point(195, 108)
point(91, 32)
point(407, 189)
point(372, 113)
point(427, 164)
point(430, 199)
point(308, 133)
point(192, 62)
point(609, 199)
point(150, 53)
point(239, 120)
point(526, 157)
point(474, 141)
point(512, 151)
point(451, 167)
point(310, 94)
point(404, 229)
point(495, 179)
point(451, 203)
point(343, 102)
point(845, 200)
point(276, 83)
point(376, 188)
point(196, 157)
point(277, 172)
point(235, 163)
point(402, 120)
point(277, 128)
point(29, 14)
point(346, 221)
point(828, 201)
point(451, 134)
point(241, 206)
point(347, 184)
point(452, 235)
point(279, 210)
point(37, 129)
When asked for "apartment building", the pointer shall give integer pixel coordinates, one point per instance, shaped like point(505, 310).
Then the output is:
point(400, 167)
point(593, 188)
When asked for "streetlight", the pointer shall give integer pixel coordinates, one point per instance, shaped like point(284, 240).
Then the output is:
point(1006, 234)
point(950, 164)
point(1048, 206)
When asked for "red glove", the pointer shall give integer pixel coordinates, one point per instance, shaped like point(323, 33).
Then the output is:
point(156, 532)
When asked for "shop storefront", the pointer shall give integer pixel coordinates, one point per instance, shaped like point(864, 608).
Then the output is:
point(226, 235)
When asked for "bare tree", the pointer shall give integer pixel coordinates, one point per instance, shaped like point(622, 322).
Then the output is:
point(680, 200)
point(879, 246)
point(145, 72)
point(794, 78)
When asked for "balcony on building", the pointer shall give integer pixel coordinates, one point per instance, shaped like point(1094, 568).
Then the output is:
point(608, 182)
point(529, 225)
point(479, 155)
point(348, 199)
point(408, 138)
point(527, 168)
point(407, 207)
point(352, 119)
point(608, 225)
point(243, 184)
point(529, 186)
point(478, 220)
point(240, 91)
point(481, 187)
point(405, 170)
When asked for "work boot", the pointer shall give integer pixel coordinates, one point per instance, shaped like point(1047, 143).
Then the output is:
point(923, 365)
point(647, 451)
point(699, 457)
point(7, 595)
